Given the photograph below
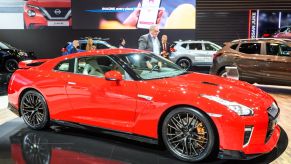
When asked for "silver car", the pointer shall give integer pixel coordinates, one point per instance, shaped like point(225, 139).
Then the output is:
point(193, 53)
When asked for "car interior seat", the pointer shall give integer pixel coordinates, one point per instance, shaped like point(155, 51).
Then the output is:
point(92, 68)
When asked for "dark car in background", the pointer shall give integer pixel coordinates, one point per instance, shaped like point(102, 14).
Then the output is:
point(264, 60)
point(11, 56)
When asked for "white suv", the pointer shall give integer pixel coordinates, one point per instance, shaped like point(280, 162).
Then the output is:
point(193, 53)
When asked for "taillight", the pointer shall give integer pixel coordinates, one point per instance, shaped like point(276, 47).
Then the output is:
point(216, 55)
point(63, 50)
point(172, 49)
point(266, 35)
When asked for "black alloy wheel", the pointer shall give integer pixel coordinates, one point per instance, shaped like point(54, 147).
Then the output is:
point(188, 134)
point(184, 63)
point(34, 110)
point(36, 149)
point(11, 65)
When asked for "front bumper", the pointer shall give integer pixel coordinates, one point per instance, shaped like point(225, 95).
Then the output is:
point(260, 149)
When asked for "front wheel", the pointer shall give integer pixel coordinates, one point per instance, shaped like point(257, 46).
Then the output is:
point(34, 110)
point(188, 134)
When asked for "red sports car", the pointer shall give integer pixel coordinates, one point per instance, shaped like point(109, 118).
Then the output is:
point(141, 96)
point(47, 13)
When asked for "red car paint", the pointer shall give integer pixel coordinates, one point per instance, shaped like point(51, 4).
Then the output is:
point(57, 12)
point(101, 103)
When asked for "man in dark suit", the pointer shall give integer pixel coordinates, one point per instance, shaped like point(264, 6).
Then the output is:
point(150, 41)
point(165, 47)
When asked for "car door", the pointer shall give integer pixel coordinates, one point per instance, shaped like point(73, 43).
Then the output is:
point(99, 102)
point(278, 70)
point(209, 49)
point(249, 61)
point(196, 53)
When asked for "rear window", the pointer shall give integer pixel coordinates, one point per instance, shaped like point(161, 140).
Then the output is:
point(250, 48)
point(184, 45)
point(234, 46)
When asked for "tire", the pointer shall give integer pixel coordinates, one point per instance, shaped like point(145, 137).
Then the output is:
point(184, 63)
point(36, 148)
point(223, 73)
point(34, 110)
point(188, 134)
point(11, 65)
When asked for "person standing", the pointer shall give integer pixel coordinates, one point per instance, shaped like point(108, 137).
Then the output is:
point(122, 43)
point(165, 47)
point(150, 41)
point(89, 44)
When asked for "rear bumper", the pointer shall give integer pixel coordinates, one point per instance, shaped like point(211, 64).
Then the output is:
point(13, 109)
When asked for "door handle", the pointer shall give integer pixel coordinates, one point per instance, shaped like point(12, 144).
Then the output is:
point(71, 83)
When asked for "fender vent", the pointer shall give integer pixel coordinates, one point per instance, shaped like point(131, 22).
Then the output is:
point(209, 83)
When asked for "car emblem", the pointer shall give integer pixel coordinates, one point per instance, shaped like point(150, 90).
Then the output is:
point(57, 11)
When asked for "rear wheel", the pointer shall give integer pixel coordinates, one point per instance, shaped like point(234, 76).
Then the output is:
point(223, 73)
point(11, 65)
point(188, 134)
point(184, 63)
point(34, 110)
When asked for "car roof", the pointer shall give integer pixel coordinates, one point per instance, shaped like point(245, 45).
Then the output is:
point(115, 51)
point(262, 39)
point(192, 41)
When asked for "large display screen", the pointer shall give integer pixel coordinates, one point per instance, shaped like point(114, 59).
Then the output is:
point(266, 23)
point(132, 14)
point(35, 14)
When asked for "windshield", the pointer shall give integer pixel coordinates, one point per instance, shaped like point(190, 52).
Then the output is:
point(5, 46)
point(150, 66)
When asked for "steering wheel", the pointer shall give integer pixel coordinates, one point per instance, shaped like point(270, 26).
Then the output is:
point(155, 67)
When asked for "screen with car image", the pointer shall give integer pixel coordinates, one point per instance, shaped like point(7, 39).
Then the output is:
point(35, 14)
point(268, 23)
point(133, 14)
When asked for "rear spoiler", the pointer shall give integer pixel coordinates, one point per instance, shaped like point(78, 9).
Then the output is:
point(31, 63)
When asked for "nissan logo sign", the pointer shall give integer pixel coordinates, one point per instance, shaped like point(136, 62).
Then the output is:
point(58, 11)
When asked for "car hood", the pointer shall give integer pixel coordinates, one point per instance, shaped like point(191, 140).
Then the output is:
point(50, 3)
point(227, 89)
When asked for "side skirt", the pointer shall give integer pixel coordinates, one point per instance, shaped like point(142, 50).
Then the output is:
point(107, 131)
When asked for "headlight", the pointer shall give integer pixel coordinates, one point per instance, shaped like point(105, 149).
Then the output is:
point(31, 6)
point(273, 110)
point(31, 13)
point(21, 53)
point(234, 106)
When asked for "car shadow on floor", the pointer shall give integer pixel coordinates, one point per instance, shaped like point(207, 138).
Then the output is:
point(71, 144)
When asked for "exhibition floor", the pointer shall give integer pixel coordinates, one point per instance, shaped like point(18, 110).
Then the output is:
point(59, 144)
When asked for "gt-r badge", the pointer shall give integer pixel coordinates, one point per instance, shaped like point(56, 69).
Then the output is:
point(149, 98)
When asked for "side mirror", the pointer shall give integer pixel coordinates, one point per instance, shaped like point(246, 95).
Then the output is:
point(113, 76)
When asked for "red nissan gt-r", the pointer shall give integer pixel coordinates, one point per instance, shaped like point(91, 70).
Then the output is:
point(47, 13)
point(138, 95)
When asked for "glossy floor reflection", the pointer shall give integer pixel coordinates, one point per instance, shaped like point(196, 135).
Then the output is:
point(18, 144)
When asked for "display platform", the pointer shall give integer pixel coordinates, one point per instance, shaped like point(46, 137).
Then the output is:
point(19, 144)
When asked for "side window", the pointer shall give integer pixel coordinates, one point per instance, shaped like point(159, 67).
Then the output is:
point(65, 66)
point(278, 49)
point(184, 45)
point(250, 48)
point(83, 46)
point(97, 66)
point(100, 46)
point(210, 47)
point(283, 29)
point(234, 46)
point(195, 46)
